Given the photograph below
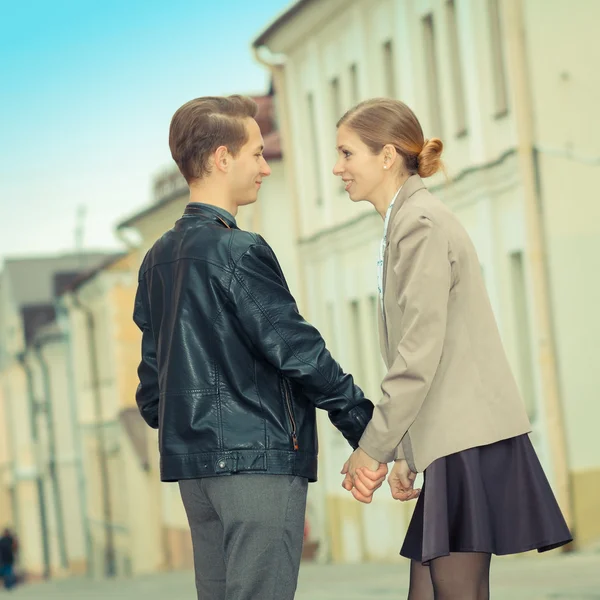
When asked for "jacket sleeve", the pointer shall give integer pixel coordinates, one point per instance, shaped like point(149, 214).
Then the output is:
point(269, 316)
point(147, 393)
point(422, 280)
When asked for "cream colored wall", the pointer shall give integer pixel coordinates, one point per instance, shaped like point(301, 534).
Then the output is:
point(339, 240)
point(160, 220)
point(25, 467)
point(6, 463)
point(55, 354)
point(566, 94)
point(563, 54)
point(356, 34)
point(134, 504)
point(273, 217)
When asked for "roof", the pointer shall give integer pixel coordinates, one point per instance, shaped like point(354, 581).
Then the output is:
point(279, 21)
point(84, 276)
point(133, 219)
point(33, 281)
point(268, 126)
point(35, 317)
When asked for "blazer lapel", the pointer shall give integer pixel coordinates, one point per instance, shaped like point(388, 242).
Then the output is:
point(413, 184)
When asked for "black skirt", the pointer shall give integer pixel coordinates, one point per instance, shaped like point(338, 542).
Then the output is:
point(494, 499)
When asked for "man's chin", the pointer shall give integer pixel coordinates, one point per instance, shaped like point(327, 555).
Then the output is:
point(246, 201)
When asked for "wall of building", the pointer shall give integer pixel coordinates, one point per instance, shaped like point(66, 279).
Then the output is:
point(565, 91)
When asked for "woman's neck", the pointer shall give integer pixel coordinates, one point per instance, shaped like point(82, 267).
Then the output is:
point(386, 195)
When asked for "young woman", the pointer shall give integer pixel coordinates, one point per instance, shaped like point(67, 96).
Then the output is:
point(450, 406)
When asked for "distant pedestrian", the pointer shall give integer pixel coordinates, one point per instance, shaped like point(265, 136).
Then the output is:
point(8, 551)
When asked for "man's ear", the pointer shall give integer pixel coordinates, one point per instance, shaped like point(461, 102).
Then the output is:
point(222, 159)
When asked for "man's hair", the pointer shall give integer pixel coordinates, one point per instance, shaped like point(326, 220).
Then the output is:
point(200, 126)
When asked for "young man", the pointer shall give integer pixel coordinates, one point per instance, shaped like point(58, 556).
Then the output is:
point(231, 373)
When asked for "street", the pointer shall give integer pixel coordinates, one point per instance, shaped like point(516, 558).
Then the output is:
point(554, 577)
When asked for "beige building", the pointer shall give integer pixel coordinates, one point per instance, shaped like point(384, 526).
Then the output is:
point(511, 89)
point(41, 481)
point(122, 500)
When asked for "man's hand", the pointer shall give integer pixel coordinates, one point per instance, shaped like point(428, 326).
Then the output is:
point(364, 475)
point(402, 481)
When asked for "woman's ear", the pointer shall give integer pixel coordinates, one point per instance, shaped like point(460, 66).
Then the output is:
point(390, 156)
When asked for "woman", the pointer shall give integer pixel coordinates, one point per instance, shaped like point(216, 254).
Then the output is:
point(450, 406)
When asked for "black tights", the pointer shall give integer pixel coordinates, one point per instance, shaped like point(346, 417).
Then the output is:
point(459, 576)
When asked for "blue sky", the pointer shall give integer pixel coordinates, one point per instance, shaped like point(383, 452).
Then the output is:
point(87, 90)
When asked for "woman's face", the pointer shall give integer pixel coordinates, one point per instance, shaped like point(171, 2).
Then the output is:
point(361, 171)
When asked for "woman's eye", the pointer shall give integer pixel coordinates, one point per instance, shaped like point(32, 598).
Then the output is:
point(347, 154)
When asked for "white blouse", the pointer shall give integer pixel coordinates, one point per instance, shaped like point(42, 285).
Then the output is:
point(382, 250)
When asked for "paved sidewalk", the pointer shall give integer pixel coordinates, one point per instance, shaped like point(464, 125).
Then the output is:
point(555, 577)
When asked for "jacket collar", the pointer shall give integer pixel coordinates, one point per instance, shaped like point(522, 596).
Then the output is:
point(412, 185)
point(219, 215)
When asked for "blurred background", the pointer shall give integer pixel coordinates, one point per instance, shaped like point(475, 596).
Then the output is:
point(87, 91)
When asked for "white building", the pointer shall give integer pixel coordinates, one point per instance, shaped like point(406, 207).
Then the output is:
point(509, 88)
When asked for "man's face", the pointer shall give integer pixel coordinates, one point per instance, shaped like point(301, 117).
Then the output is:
point(249, 167)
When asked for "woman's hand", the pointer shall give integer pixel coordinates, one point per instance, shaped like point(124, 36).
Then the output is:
point(402, 480)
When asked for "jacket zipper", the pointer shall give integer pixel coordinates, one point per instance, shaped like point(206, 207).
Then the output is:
point(288, 403)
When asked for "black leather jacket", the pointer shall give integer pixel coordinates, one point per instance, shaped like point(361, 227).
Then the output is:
point(231, 373)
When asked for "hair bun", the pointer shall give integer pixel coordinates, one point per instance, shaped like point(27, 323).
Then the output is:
point(429, 160)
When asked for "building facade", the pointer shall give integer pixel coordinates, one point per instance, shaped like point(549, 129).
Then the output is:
point(477, 75)
point(41, 494)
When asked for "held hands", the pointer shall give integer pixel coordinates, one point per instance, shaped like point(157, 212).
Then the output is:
point(402, 481)
point(364, 475)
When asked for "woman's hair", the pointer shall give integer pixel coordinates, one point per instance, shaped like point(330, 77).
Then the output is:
point(200, 126)
point(382, 121)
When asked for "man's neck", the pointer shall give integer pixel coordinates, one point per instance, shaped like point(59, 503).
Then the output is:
point(214, 197)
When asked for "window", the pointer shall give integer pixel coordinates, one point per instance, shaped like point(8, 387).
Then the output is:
point(354, 87)
point(374, 312)
point(522, 329)
point(336, 100)
point(498, 67)
point(357, 343)
point(431, 73)
point(389, 72)
point(456, 70)
point(331, 334)
point(314, 149)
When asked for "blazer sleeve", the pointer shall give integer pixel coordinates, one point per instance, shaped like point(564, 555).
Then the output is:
point(421, 284)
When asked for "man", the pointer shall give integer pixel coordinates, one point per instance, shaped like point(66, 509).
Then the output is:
point(231, 373)
point(8, 548)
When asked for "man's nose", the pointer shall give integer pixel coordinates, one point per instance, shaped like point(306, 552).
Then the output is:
point(266, 169)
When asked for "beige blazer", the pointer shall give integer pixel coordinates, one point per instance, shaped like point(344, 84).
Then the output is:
point(449, 386)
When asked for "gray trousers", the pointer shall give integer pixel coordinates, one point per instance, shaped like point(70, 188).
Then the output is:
point(247, 534)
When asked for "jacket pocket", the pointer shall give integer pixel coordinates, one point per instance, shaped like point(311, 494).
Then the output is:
point(289, 407)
